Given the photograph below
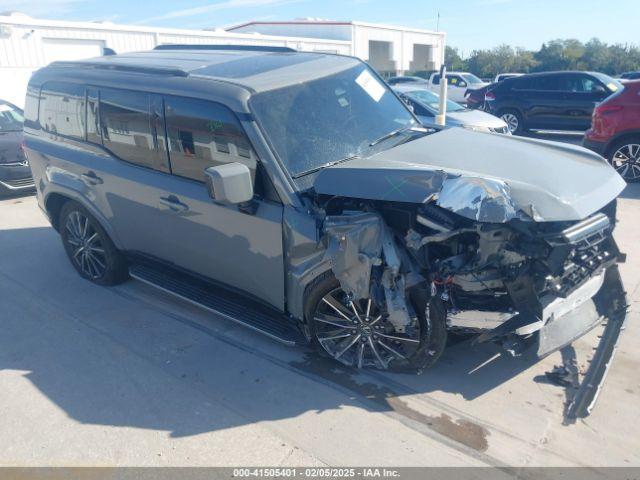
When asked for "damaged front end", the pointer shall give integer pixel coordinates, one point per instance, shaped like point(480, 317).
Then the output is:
point(497, 270)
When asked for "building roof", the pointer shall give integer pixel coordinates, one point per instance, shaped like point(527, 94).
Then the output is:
point(256, 70)
point(322, 22)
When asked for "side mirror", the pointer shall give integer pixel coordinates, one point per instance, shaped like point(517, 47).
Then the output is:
point(229, 184)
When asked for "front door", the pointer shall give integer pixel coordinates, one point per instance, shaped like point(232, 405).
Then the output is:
point(236, 246)
point(581, 94)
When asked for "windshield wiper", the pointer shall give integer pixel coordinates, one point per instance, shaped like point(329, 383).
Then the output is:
point(391, 134)
point(329, 164)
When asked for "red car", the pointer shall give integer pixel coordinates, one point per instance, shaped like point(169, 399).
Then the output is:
point(615, 131)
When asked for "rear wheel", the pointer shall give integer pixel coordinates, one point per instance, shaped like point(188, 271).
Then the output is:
point(624, 156)
point(89, 248)
point(513, 119)
point(358, 335)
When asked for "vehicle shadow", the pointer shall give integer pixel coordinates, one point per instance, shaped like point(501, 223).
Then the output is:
point(109, 356)
point(632, 191)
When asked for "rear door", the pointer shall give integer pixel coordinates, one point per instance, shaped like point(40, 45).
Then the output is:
point(543, 102)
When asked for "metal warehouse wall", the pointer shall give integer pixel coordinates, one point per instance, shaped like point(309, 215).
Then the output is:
point(27, 44)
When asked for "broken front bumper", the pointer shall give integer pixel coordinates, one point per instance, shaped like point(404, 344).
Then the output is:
point(570, 319)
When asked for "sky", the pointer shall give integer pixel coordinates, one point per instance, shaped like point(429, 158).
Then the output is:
point(470, 24)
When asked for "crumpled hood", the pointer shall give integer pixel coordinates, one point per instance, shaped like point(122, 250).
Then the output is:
point(485, 177)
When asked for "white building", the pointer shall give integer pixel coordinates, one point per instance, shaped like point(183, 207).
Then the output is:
point(389, 49)
point(27, 44)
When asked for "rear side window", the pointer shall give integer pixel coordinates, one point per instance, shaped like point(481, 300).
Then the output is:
point(204, 134)
point(519, 83)
point(126, 127)
point(546, 83)
point(62, 109)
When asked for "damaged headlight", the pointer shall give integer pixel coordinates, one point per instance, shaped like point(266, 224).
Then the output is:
point(479, 199)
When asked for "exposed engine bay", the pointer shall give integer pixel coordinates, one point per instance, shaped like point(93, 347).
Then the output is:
point(519, 283)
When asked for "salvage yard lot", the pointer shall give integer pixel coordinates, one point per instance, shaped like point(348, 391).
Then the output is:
point(127, 376)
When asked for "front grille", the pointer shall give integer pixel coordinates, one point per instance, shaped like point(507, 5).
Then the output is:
point(589, 247)
point(500, 130)
point(19, 182)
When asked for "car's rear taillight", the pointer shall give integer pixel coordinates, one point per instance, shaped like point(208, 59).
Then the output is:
point(604, 109)
point(489, 97)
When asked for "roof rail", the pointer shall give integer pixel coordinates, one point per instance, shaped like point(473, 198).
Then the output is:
point(176, 72)
point(246, 48)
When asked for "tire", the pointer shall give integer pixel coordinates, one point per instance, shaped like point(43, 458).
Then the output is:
point(89, 248)
point(514, 121)
point(421, 346)
point(624, 156)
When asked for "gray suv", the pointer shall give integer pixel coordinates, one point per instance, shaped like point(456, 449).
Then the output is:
point(295, 193)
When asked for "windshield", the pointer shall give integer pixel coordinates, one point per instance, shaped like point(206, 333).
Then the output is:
point(10, 118)
point(470, 78)
point(332, 118)
point(432, 100)
point(612, 84)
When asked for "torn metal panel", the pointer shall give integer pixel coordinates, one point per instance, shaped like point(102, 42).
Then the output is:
point(394, 284)
point(354, 245)
point(415, 172)
point(479, 199)
point(612, 304)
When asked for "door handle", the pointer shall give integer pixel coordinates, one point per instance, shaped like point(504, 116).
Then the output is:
point(91, 178)
point(173, 203)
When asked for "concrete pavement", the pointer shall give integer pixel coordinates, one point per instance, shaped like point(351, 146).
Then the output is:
point(128, 376)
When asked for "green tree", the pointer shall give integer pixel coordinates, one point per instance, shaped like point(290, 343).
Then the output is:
point(452, 59)
point(559, 54)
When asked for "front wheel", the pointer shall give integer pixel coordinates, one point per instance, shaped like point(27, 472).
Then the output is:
point(625, 158)
point(358, 334)
point(89, 248)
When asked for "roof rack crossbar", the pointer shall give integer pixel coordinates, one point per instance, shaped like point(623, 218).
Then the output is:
point(126, 68)
point(247, 48)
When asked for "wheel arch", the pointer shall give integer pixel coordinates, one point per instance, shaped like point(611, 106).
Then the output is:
point(623, 136)
point(54, 202)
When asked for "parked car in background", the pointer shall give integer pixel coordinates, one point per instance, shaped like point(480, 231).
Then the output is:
point(550, 100)
point(476, 99)
point(406, 80)
point(615, 131)
point(426, 104)
point(458, 83)
point(630, 76)
point(15, 175)
point(504, 76)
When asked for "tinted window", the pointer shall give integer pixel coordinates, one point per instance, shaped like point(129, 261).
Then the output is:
point(579, 83)
point(93, 118)
point(436, 79)
point(11, 119)
point(471, 78)
point(126, 128)
point(520, 83)
point(204, 134)
point(62, 109)
point(546, 83)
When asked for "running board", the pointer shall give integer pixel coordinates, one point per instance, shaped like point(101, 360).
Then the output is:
point(229, 305)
